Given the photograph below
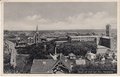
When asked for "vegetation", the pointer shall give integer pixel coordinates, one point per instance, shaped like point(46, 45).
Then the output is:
point(37, 51)
point(24, 63)
point(95, 68)
point(78, 48)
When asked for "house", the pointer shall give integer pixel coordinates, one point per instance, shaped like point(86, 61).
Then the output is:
point(80, 61)
point(102, 49)
point(84, 38)
point(72, 56)
point(44, 66)
point(90, 56)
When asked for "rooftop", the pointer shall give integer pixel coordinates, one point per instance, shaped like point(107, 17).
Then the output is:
point(42, 65)
point(47, 65)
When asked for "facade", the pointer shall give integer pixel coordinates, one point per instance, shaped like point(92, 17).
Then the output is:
point(84, 38)
point(101, 49)
point(30, 40)
point(105, 41)
point(35, 38)
point(80, 61)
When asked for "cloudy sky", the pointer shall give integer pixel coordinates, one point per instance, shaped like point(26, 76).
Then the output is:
point(59, 15)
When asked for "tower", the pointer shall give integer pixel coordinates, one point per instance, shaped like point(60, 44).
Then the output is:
point(108, 30)
point(108, 34)
point(36, 37)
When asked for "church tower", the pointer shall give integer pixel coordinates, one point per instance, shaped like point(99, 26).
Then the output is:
point(36, 36)
point(108, 30)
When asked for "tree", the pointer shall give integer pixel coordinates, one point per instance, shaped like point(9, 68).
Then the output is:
point(78, 48)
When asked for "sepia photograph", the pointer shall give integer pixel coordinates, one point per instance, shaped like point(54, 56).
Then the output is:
point(60, 38)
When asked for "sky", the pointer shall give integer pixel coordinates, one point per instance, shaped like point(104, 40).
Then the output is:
point(59, 15)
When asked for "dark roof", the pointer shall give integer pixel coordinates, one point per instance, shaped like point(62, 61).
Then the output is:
point(42, 65)
point(67, 63)
point(47, 65)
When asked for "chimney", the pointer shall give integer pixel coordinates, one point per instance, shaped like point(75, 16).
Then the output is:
point(55, 50)
point(45, 47)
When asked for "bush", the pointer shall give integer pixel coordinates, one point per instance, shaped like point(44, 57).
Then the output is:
point(7, 58)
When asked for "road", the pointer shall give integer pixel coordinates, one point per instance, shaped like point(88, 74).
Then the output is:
point(13, 52)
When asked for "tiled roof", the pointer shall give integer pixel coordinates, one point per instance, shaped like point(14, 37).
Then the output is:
point(46, 65)
point(42, 65)
point(65, 61)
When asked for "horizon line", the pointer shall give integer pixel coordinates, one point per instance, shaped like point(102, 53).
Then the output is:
point(57, 29)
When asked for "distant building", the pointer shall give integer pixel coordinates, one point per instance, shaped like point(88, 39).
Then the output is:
point(21, 44)
point(84, 38)
point(50, 38)
point(80, 61)
point(108, 30)
point(105, 41)
point(37, 36)
point(30, 40)
point(72, 56)
point(23, 40)
point(102, 49)
point(60, 42)
point(34, 38)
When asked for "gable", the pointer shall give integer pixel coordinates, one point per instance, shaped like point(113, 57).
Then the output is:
point(61, 67)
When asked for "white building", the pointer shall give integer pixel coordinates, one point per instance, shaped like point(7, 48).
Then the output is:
point(80, 61)
point(84, 38)
point(90, 56)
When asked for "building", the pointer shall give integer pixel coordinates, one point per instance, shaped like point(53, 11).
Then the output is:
point(60, 42)
point(34, 38)
point(72, 56)
point(37, 36)
point(90, 56)
point(49, 66)
point(105, 41)
point(108, 30)
point(84, 38)
point(30, 40)
point(42, 66)
point(80, 61)
point(102, 49)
